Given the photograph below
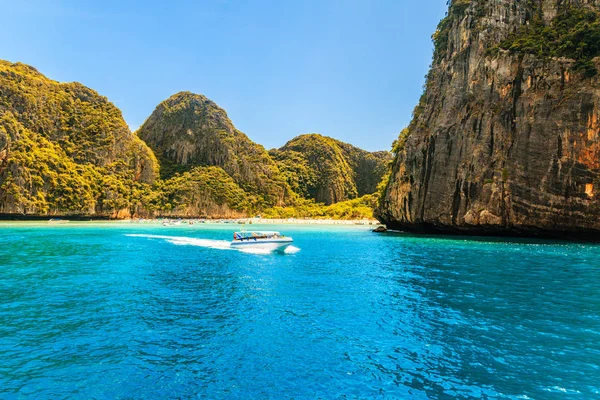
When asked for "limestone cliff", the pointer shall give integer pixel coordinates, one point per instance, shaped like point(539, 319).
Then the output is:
point(330, 171)
point(65, 149)
point(505, 139)
point(188, 130)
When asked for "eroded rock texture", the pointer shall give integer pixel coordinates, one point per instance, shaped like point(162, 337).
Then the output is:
point(502, 142)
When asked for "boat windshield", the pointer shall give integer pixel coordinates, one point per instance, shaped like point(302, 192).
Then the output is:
point(256, 235)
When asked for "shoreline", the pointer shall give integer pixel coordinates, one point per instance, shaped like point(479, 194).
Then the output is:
point(62, 220)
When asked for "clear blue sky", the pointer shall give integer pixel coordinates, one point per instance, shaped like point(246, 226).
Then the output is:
point(349, 69)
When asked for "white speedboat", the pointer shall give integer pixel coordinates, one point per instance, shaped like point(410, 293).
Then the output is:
point(263, 240)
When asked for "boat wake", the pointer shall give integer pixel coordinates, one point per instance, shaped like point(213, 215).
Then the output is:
point(209, 243)
point(291, 250)
point(288, 250)
point(187, 241)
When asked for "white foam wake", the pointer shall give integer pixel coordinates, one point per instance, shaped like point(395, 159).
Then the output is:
point(209, 243)
point(187, 241)
point(250, 250)
point(291, 250)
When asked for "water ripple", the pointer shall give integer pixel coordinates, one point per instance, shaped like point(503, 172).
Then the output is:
point(109, 311)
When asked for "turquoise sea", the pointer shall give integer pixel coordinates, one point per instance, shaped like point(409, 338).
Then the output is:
point(126, 310)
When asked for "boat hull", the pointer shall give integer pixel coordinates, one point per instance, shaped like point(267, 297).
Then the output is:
point(264, 245)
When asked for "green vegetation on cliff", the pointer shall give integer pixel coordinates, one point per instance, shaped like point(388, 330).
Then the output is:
point(574, 33)
point(329, 171)
point(64, 148)
point(358, 208)
point(456, 8)
point(202, 191)
point(188, 130)
point(40, 178)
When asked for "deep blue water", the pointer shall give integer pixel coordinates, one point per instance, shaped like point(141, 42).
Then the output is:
point(89, 312)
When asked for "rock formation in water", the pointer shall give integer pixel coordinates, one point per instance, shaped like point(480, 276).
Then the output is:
point(64, 149)
point(188, 130)
point(505, 139)
point(330, 171)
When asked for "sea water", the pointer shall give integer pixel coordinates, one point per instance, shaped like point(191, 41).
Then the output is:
point(125, 310)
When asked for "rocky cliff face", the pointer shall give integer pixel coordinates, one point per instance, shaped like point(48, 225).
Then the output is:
point(188, 130)
point(64, 148)
point(330, 171)
point(505, 139)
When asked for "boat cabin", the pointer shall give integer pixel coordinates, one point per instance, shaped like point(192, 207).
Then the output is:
point(256, 235)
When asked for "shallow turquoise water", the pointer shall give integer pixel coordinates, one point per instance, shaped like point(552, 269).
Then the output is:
point(87, 311)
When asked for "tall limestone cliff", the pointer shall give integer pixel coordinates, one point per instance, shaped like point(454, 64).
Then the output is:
point(64, 149)
point(330, 171)
point(189, 131)
point(506, 138)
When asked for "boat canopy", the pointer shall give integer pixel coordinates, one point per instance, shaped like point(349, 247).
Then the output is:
point(255, 234)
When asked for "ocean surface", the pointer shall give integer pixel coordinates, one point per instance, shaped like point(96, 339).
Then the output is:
point(135, 311)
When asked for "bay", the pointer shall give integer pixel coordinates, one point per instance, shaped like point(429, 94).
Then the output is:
point(125, 310)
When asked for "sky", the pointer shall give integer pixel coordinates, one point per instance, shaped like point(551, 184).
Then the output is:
point(351, 69)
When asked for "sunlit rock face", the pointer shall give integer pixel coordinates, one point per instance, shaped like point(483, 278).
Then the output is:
point(502, 142)
point(188, 130)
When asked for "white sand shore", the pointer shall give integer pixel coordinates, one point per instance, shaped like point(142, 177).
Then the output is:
point(316, 221)
point(250, 221)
